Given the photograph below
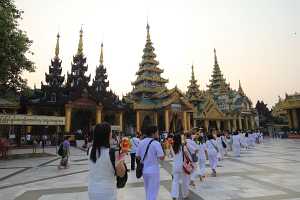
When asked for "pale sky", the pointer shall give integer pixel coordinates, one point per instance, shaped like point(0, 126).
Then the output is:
point(257, 41)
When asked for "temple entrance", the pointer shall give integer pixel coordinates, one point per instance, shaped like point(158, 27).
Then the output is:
point(176, 123)
point(82, 119)
point(146, 122)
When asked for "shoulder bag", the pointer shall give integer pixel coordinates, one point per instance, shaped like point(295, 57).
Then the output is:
point(140, 164)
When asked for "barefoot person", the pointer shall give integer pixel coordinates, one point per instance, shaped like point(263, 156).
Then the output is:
point(151, 171)
point(212, 152)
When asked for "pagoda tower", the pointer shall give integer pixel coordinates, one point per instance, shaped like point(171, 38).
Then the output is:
point(193, 93)
point(218, 85)
point(54, 79)
point(240, 90)
point(100, 82)
point(149, 80)
point(78, 82)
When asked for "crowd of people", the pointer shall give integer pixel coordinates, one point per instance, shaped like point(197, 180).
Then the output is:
point(188, 152)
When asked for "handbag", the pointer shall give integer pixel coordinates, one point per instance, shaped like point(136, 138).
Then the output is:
point(223, 144)
point(187, 166)
point(193, 156)
point(121, 181)
point(140, 164)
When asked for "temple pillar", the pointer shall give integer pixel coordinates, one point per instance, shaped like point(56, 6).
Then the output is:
point(68, 111)
point(188, 120)
point(195, 123)
point(295, 119)
point(184, 121)
point(155, 119)
point(218, 125)
point(229, 125)
point(240, 123)
point(252, 123)
point(29, 128)
point(167, 121)
point(234, 125)
point(121, 121)
point(206, 125)
point(290, 119)
point(98, 114)
point(138, 125)
point(246, 123)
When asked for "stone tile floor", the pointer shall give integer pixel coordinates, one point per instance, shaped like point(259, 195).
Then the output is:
point(270, 171)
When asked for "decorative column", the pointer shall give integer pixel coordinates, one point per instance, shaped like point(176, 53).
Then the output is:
point(234, 125)
point(29, 128)
point(195, 123)
point(98, 114)
point(188, 120)
point(68, 111)
point(290, 118)
point(155, 119)
point(167, 120)
point(218, 125)
point(206, 125)
point(138, 125)
point(240, 123)
point(121, 121)
point(252, 123)
point(246, 123)
point(295, 119)
point(228, 125)
point(184, 121)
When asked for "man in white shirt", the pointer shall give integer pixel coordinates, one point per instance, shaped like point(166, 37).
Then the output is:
point(134, 145)
point(151, 170)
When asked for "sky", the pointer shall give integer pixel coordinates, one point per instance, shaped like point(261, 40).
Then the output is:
point(257, 41)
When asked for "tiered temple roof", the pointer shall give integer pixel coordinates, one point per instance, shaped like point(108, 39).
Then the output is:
point(78, 82)
point(149, 80)
point(194, 94)
point(54, 80)
point(218, 85)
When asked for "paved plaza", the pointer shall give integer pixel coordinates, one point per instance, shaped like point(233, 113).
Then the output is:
point(271, 171)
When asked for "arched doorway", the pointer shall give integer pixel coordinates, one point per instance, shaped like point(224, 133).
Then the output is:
point(82, 119)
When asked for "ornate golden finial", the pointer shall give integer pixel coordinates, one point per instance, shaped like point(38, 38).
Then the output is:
point(148, 32)
point(193, 75)
point(240, 90)
point(57, 46)
point(101, 54)
point(80, 44)
point(215, 54)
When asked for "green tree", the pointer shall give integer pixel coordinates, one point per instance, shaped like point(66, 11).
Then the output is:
point(14, 46)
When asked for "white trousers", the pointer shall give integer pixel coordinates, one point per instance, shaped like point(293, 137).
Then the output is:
point(236, 150)
point(152, 184)
point(213, 160)
point(180, 178)
point(202, 166)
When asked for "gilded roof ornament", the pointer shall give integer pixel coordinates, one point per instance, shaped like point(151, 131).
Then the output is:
point(101, 54)
point(80, 43)
point(57, 46)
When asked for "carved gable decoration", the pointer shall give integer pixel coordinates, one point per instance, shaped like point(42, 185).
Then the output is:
point(83, 102)
point(211, 111)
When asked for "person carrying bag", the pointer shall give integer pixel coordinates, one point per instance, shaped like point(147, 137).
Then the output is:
point(140, 164)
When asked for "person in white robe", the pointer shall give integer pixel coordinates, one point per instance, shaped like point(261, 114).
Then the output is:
point(212, 152)
point(236, 144)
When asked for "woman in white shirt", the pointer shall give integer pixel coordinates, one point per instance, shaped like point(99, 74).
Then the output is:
point(102, 181)
point(151, 170)
point(236, 144)
point(212, 152)
point(178, 174)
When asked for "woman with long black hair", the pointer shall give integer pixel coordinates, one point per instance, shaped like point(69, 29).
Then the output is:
point(178, 173)
point(102, 181)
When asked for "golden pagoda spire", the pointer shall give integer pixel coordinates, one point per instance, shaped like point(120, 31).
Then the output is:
point(148, 31)
point(193, 75)
point(101, 54)
point(216, 59)
point(240, 90)
point(80, 44)
point(57, 46)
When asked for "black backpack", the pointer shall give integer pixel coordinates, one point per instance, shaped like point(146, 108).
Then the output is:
point(121, 181)
point(60, 151)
